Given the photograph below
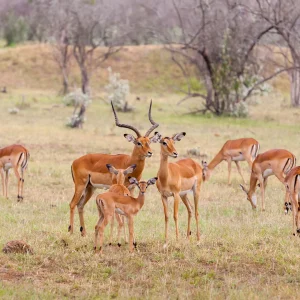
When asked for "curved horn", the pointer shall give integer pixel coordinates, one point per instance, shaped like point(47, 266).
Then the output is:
point(124, 125)
point(154, 124)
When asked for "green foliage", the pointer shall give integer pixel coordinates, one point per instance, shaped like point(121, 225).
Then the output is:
point(15, 29)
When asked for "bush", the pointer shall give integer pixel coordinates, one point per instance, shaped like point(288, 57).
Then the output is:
point(118, 89)
point(15, 29)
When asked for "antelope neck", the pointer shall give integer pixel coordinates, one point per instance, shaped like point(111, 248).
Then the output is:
point(163, 171)
point(216, 160)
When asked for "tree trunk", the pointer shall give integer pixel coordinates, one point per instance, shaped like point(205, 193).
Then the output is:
point(85, 81)
point(65, 82)
point(295, 87)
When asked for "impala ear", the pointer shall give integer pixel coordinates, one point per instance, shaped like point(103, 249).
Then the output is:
point(156, 138)
point(111, 169)
point(178, 136)
point(152, 181)
point(133, 180)
point(129, 137)
point(129, 169)
point(243, 189)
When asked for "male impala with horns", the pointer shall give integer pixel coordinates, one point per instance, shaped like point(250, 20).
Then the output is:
point(90, 172)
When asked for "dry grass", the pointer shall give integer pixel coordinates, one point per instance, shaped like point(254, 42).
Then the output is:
point(31, 66)
point(242, 254)
point(148, 68)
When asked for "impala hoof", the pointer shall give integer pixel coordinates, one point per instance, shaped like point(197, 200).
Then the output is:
point(119, 244)
point(69, 228)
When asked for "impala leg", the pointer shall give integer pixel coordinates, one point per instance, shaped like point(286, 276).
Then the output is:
point(166, 212)
point(239, 170)
point(97, 228)
point(196, 203)
point(229, 171)
point(186, 202)
point(131, 233)
point(112, 228)
point(297, 212)
point(293, 199)
point(102, 226)
point(287, 202)
point(3, 182)
point(6, 182)
point(80, 206)
point(22, 182)
point(262, 190)
point(79, 191)
point(120, 220)
point(19, 183)
point(125, 235)
point(176, 206)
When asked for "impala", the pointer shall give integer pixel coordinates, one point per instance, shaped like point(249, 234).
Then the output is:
point(121, 189)
point(89, 171)
point(128, 206)
point(245, 149)
point(292, 184)
point(176, 180)
point(16, 157)
point(276, 162)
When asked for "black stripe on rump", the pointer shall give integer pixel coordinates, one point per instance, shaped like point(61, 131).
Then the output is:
point(285, 164)
point(296, 178)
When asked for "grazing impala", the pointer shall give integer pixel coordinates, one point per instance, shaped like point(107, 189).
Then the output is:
point(94, 165)
point(245, 149)
point(276, 162)
point(176, 180)
point(128, 206)
point(292, 184)
point(16, 157)
point(121, 189)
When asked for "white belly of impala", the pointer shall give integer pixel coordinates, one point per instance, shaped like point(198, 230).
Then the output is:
point(7, 166)
point(238, 158)
point(100, 186)
point(267, 173)
point(119, 211)
point(182, 193)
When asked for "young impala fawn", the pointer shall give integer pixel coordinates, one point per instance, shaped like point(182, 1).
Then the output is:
point(276, 162)
point(109, 203)
point(292, 184)
point(176, 180)
point(118, 187)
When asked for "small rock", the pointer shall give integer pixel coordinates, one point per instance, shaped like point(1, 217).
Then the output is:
point(17, 247)
point(13, 111)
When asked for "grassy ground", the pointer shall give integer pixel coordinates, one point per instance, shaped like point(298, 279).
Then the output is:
point(242, 254)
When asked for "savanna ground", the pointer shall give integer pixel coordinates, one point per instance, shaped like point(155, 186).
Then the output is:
point(242, 254)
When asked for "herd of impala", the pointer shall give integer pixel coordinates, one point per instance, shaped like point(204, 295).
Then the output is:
point(121, 173)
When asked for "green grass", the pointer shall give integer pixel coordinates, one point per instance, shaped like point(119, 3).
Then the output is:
point(242, 254)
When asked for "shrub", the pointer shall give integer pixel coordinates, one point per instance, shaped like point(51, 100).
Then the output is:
point(118, 89)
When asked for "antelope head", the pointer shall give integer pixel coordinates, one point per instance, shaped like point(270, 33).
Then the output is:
point(142, 143)
point(119, 174)
point(167, 143)
point(142, 185)
point(251, 197)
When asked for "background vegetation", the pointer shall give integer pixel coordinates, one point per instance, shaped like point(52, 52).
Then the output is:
point(242, 254)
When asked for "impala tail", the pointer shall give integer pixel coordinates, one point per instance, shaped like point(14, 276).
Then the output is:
point(254, 150)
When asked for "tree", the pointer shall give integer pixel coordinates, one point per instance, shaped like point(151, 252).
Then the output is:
point(219, 39)
point(93, 25)
point(284, 16)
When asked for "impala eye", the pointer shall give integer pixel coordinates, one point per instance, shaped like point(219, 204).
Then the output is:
point(164, 143)
point(139, 143)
